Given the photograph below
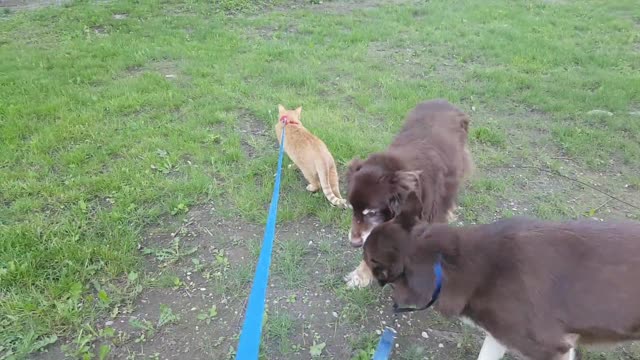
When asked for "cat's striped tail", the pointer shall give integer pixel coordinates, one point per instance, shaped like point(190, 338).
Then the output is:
point(328, 180)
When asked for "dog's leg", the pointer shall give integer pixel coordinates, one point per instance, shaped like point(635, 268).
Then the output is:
point(577, 354)
point(572, 341)
point(491, 349)
point(545, 348)
point(572, 354)
point(360, 277)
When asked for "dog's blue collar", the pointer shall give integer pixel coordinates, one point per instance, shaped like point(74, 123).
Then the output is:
point(437, 270)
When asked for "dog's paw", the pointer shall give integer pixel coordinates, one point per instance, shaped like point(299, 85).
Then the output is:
point(356, 279)
point(451, 216)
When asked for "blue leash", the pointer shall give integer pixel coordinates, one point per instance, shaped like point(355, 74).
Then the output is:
point(249, 344)
point(385, 346)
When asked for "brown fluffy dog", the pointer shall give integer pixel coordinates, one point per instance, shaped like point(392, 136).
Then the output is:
point(537, 288)
point(429, 156)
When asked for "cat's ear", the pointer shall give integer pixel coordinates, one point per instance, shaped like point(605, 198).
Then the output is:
point(299, 111)
point(281, 108)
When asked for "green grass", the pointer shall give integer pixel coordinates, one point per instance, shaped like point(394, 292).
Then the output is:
point(108, 124)
point(279, 328)
point(488, 136)
point(364, 346)
point(358, 303)
point(290, 265)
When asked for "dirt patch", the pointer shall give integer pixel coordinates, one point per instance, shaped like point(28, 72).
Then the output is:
point(30, 4)
point(338, 7)
point(208, 260)
point(100, 30)
point(307, 302)
point(254, 134)
point(169, 69)
point(517, 162)
point(342, 7)
point(406, 58)
point(270, 32)
point(420, 62)
point(559, 2)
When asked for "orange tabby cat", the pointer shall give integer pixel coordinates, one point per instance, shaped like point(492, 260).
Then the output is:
point(310, 155)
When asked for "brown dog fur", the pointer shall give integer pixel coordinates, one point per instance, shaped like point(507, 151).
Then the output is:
point(539, 288)
point(429, 156)
point(310, 155)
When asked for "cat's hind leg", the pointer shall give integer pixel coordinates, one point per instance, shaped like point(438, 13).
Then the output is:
point(312, 178)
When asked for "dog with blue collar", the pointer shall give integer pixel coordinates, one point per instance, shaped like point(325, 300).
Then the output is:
point(537, 288)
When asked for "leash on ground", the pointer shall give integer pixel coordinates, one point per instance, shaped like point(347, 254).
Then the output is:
point(385, 346)
point(249, 343)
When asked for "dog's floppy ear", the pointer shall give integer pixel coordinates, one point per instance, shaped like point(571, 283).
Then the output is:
point(405, 181)
point(443, 237)
point(464, 123)
point(381, 274)
point(354, 166)
point(384, 273)
point(410, 211)
point(385, 258)
point(402, 183)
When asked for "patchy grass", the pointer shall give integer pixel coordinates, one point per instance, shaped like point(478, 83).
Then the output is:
point(488, 136)
point(278, 329)
point(115, 116)
point(291, 267)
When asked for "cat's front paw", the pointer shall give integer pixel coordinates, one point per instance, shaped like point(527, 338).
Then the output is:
point(358, 278)
point(312, 188)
